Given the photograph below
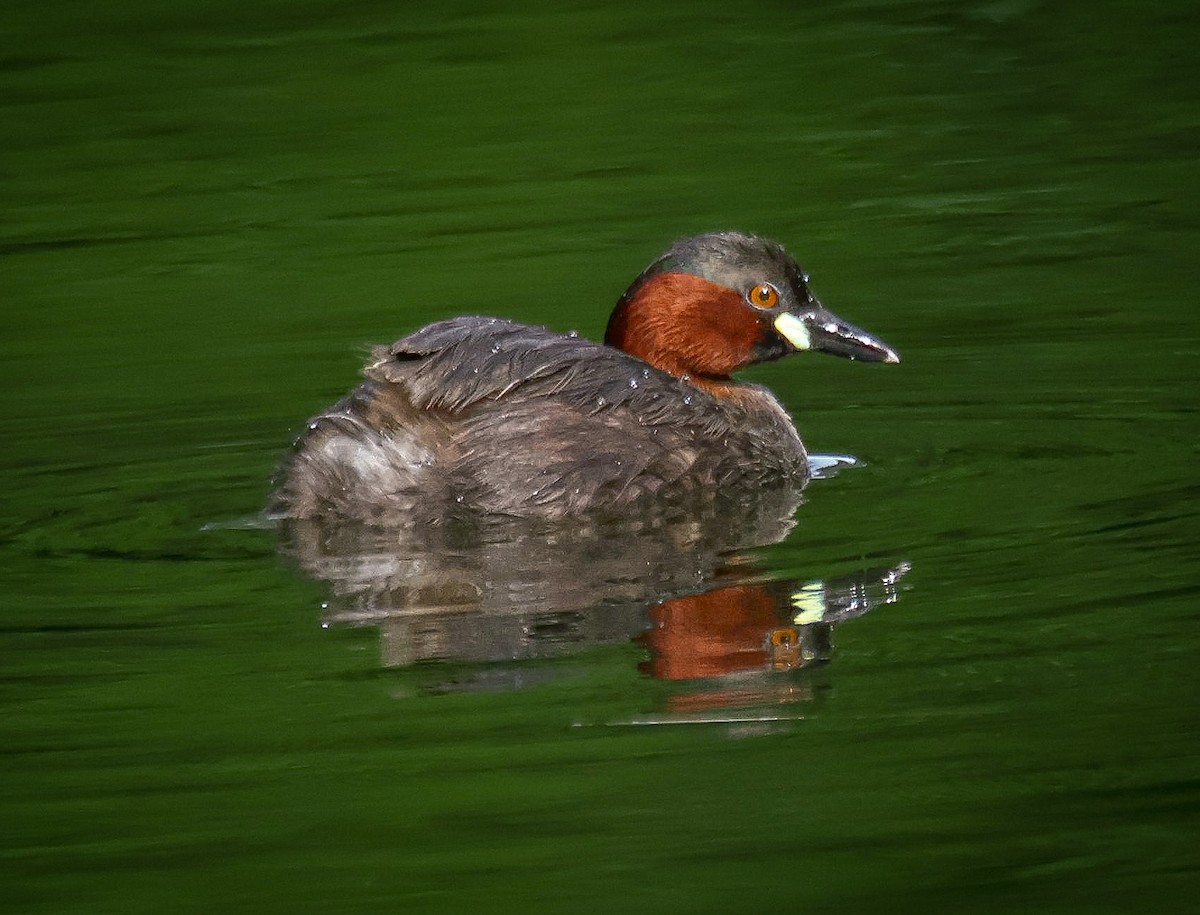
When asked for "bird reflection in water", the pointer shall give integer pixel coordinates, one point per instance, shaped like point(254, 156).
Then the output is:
point(690, 589)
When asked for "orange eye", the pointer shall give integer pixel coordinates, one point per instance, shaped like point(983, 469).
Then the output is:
point(764, 295)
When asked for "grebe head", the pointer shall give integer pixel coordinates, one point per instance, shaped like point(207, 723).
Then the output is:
point(718, 302)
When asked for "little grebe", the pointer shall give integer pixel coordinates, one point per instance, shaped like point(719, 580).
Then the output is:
point(506, 418)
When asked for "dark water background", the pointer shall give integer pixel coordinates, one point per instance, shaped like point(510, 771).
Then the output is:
point(209, 207)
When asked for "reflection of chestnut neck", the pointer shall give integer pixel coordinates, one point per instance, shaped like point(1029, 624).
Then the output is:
point(707, 635)
point(687, 326)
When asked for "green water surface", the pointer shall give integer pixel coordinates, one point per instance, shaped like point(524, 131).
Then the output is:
point(210, 208)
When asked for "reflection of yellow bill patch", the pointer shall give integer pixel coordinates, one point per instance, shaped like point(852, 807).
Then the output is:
point(792, 329)
point(810, 601)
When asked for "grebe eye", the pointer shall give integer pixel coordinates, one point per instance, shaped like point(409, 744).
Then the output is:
point(764, 295)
